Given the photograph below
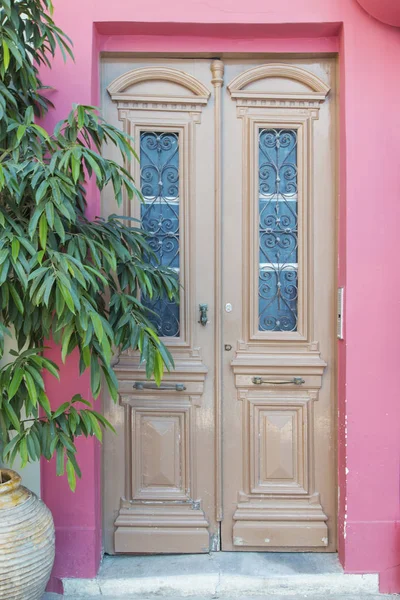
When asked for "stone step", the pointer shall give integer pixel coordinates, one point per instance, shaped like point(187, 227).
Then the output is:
point(299, 596)
point(223, 575)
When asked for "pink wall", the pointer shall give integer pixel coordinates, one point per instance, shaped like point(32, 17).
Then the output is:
point(369, 242)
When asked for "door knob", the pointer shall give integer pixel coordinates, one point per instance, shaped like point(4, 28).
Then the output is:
point(227, 347)
point(203, 314)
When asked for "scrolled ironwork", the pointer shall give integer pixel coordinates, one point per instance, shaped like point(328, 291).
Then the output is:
point(159, 178)
point(278, 230)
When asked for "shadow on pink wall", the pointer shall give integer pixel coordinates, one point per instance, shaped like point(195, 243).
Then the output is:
point(387, 11)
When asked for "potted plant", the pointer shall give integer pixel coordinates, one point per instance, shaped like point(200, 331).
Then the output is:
point(62, 278)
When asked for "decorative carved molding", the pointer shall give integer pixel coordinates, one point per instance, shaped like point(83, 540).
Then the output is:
point(159, 529)
point(217, 72)
point(128, 105)
point(129, 102)
point(278, 448)
point(318, 89)
point(279, 471)
point(160, 500)
point(121, 83)
point(178, 114)
point(302, 124)
point(242, 394)
point(278, 523)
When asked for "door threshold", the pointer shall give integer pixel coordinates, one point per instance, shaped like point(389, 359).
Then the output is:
point(222, 575)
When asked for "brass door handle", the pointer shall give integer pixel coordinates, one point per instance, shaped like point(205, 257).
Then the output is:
point(293, 381)
point(143, 385)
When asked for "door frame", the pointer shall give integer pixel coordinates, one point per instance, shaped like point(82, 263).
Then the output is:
point(217, 81)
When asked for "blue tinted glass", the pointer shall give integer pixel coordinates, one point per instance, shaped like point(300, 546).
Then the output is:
point(278, 233)
point(159, 179)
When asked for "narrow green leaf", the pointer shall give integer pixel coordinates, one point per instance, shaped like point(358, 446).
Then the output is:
point(16, 298)
point(60, 459)
point(35, 438)
point(31, 387)
point(10, 446)
point(111, 383)
point(60, 302)
point(15, 382)
point(31, 448)
point(51, 367)
point(94, 166)
point(95, 425)
point(6, 54)
point(66, 294)
point(61, 409)
point(72, 458)
point(76, 167)
point(15, 246)
point(95, 377)
point(78, 398)
point(20, 132)
point(103, 421)
point(43, 231)
point(86, 421)
point(85, 352)
point(44, 403)
point(66, 441)
point(12, 416)
point(81, 116)
point(71, 475)
point(66, 338)
point(98, 326)
point(23, 450)
point(40, 192)
point(42, 131)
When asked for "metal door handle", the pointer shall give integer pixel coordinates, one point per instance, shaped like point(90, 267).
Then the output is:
point(294, 380)
point(203, 308)
point(142, 385)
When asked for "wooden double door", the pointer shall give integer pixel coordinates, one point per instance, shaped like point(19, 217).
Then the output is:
point(236, 449)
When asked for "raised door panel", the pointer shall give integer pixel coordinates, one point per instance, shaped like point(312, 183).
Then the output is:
point(160, 470)
point(278, 445)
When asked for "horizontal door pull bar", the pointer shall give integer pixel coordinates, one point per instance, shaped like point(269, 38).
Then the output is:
point(294, 380)
point(142, 385)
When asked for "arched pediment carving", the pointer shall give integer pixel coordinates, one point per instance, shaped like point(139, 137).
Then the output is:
point(316, 89)
point(129, 79)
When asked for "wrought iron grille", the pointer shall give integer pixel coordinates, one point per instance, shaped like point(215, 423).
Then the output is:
point(278, 230)
point(159, 179)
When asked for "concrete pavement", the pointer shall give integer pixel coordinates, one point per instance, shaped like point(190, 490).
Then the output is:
point(225, 576)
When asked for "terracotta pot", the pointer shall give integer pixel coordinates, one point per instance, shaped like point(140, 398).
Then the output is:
point(26, 541)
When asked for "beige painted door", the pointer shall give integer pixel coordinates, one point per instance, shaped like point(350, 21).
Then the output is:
point(235, 451)
point(279, 278)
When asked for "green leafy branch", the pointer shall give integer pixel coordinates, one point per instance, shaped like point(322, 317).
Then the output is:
point(81, 283)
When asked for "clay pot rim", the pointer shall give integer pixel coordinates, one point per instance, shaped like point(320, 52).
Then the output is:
point(13, 481)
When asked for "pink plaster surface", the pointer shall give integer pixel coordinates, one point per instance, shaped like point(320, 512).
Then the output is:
point(77, 516)
point(369, 240)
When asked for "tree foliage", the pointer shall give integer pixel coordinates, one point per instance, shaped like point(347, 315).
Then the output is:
point(62, 276)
